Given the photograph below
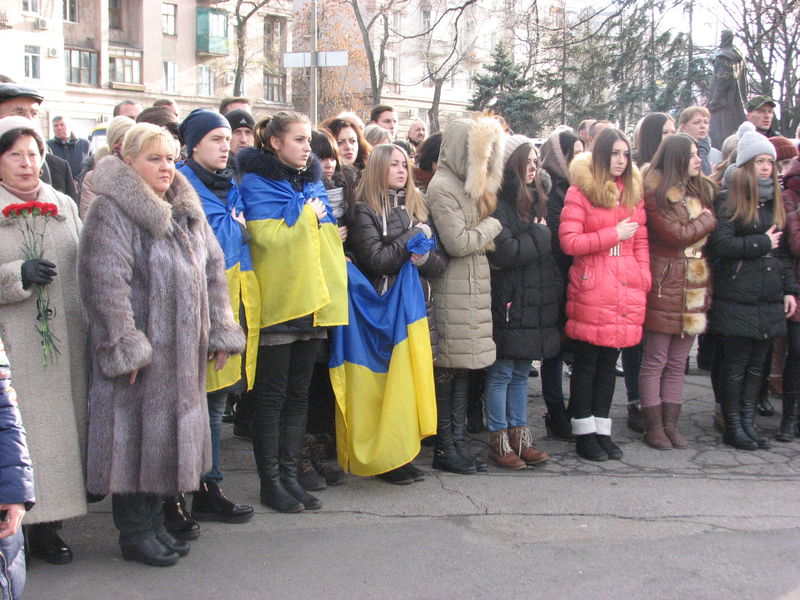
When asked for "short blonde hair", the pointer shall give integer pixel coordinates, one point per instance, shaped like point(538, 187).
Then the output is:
point(142, 135)
point(687, 114)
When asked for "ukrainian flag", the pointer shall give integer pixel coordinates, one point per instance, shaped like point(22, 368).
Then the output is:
point(298, 261)
point(242, 282)
point(381, 369)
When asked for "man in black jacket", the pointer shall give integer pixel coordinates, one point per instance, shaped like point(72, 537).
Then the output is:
point(65, 144)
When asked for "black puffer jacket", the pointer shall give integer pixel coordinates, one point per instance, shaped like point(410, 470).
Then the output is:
point(526, 285)
point(750, 279)
point(378, 248)
point(555, 203)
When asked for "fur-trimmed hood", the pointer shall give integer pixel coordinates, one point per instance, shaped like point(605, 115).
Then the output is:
point(553, 159)
point(472, 149)
point(605, 194)
point(119, 183)
point(267, 165)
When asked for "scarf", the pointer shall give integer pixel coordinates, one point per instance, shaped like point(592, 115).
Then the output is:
point(766, 190)
point(25, 196)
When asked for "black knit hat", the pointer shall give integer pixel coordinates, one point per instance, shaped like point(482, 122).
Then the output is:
point(240, 118)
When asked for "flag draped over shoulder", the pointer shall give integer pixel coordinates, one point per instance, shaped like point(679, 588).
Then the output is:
point(298, 261)
point(381, 370)
point(242, 283)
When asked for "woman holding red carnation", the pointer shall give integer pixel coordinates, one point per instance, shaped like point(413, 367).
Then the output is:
point(52, 398)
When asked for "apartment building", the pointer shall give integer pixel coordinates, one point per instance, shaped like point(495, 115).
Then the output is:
point(85, 56)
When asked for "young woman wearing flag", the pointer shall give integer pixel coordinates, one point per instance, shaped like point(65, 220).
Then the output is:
point(526, 300)
point(299, 263)
point(602, 226)
point(389, 213)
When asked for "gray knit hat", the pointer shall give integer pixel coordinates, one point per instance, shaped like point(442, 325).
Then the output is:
point(752, 144)
point(512, 143)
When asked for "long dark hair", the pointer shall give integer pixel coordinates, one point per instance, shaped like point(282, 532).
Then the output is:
point(651, 132)
point(530, 200)
point(671, 160)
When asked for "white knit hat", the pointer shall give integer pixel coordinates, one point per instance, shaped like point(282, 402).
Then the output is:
point(752, 144)
point(512, 143)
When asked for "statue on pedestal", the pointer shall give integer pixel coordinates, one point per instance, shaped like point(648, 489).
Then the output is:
point(728, 91)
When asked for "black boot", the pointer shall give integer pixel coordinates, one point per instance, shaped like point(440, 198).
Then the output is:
point(265, 450)
point(45, 543)
point(150, 552)
point(588, 448)
point(308, 467)
point(177, 519)
point(751, 393)
point(462, 389)
point(445, 455)
point(734, 435)
point(293, 429)
point(557, 423)
point(210, 504)
point(243, 418)
point(635, 418)
point(788, 426)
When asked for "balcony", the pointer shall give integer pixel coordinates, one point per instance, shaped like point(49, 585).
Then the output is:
point(212, 32)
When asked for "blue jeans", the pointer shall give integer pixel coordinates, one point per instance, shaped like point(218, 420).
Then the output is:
point(506, 393)
point(216, 408)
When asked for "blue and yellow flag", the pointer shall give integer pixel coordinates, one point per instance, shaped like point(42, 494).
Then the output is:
point(299, 261)
point(381, 369)
point(242, 283)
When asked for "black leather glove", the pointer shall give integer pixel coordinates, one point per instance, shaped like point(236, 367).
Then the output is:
point(37, 270)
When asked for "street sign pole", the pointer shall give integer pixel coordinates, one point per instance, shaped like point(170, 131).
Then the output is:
point(314, 64)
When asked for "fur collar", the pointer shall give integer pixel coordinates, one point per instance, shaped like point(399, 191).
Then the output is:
point(472, 150)
point(267, 165)
point(119, 183)
point(606, 193)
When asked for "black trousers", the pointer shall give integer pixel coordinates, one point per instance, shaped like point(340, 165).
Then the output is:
point(137, 516)
point(791, 370)
point(593, 379)
point(741, 365)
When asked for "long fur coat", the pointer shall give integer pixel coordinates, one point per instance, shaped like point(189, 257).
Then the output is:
point(153, 283)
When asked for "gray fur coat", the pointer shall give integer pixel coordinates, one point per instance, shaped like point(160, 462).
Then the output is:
point(153, 283)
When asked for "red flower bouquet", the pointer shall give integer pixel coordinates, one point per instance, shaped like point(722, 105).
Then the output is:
point(32, 218)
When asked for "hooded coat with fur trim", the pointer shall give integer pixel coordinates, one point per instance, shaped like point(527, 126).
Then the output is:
point(52, 401)
point(750, 278)
point(791, 202)
point(609, 279)
point(152, 278)
point(470, 169)
point(681, 292)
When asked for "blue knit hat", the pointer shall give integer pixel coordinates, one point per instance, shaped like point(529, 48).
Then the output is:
point(197, 124)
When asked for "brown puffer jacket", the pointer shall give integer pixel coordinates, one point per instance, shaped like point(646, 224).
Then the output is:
point(681, 292)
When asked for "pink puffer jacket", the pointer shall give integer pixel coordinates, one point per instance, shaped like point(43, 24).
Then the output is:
point(609, 279)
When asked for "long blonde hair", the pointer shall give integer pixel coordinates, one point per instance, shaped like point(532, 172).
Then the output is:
point(743, 195)
point(373, 191)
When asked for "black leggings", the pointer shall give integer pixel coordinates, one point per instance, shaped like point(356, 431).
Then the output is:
point(741, 366)
point(593, 379)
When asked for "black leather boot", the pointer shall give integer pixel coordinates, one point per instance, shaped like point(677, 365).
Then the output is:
point(177, 519)
point(788, 426)
point(45, 543)
point(731, 388)
point(293, 429)
point(150, 552)
point(751, 394)
point(458, 420)
point(445, 455)
point(557, 422)
point(588, 448)
point(265, 450)
point(210, 504)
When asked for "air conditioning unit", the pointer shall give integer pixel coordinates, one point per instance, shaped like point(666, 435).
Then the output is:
point(52, 52)
point(41, 23)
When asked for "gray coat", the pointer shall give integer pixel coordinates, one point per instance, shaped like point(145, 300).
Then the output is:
point(470, 167)
point(153, 282)
point(52, 401)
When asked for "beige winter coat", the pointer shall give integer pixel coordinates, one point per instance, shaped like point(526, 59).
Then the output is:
point(470, 167)
point(52, 400)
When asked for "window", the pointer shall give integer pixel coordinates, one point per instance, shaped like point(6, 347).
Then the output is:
point(217, 25)
point(274, 38)
point(170, 77)
point(125, 66)
point(168, 13)
point(33, 57)
point(115, 14)
point(426, 19)
point(31, 6)
point(391, 74)
point(205, 81)
point(275, 87)
point(71, 11)
point(80, 66)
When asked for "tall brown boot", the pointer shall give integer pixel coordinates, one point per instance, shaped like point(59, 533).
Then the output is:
point(500, 452)
point(670, 412)
point(521, 442)
point(654, 435)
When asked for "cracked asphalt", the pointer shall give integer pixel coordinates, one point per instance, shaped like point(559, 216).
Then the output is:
point(707, 522)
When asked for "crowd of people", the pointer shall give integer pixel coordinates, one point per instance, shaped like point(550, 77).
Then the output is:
point(198, 268)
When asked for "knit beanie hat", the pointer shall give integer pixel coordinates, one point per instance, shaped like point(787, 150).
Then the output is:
point(512, 143)
point(197, 124)
point(752, 144)
point(240, 118)
point(784, 148)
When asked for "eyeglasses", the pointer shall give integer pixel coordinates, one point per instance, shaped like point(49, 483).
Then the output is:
point(29, 113)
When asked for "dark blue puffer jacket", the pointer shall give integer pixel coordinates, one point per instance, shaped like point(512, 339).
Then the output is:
point(16, 483)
